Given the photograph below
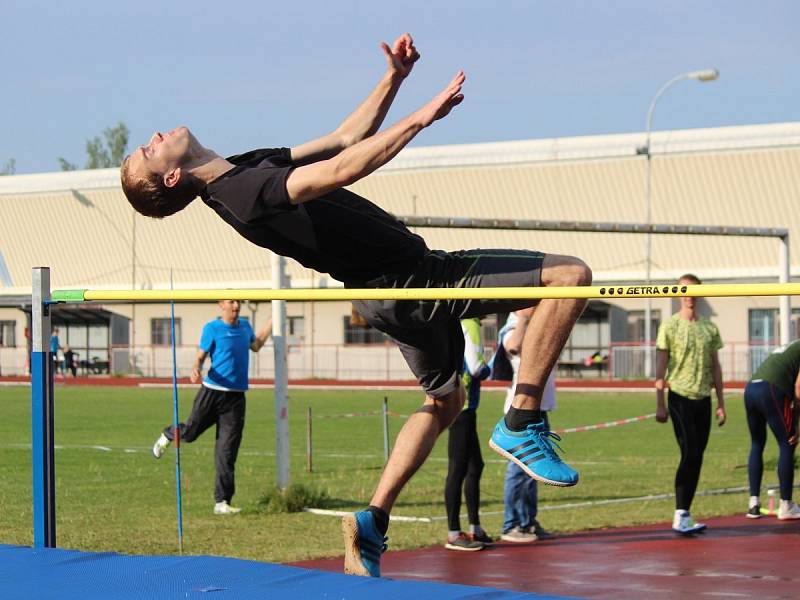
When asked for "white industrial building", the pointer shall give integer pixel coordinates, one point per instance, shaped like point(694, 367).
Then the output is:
point(80, 225)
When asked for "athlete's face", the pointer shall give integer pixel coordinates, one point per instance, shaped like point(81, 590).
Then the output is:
point(688, 302)
point(230, 310)
point(163, 153)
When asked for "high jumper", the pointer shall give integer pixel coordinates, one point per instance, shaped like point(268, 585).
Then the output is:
point(294, 201)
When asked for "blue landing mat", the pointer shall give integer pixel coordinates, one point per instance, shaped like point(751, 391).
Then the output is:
point(56, 574)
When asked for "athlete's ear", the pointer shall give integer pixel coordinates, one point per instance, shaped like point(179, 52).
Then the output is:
point(172, 178)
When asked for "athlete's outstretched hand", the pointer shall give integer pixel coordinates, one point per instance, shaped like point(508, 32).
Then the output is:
point(444, 101)
point(401, 56)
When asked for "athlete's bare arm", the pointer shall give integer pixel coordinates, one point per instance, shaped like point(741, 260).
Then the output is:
point(369, 116)
point(197, 368)
point(359, 160)
point(716, 370)
point(262, 336)
point(662, 360)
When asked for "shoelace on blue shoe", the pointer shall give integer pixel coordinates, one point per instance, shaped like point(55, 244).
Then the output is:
point(545, 442)
point(372, 550)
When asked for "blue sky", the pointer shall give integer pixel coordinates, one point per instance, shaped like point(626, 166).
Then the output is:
point(258, 73)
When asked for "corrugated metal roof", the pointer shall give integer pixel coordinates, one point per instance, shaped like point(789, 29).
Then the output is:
point(79, 223)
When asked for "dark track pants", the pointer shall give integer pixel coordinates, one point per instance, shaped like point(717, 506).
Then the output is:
point(465, 465)
point(226, 411)
point(767, 405)
point(691, 420)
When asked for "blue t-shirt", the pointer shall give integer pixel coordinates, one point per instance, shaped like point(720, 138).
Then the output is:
point(54, 344)
point(228, 347)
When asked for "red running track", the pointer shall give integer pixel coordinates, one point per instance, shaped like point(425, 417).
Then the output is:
point(735, 558)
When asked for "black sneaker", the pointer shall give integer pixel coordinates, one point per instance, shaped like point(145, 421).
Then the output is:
point(541, 532)
point(463, 543)
point(482, 537)
point(754, 512)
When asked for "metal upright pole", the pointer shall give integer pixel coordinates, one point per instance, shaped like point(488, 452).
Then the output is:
point(281, 374)
point(648, 253)
point(385, 412)
point(42, 418)
point(309, 447)
point(706, 75)
point(785, 302)
point(176, 431)
point(132, 345)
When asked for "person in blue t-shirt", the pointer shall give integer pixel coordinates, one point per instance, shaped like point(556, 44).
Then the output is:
point(221, 400)
point(55, 346)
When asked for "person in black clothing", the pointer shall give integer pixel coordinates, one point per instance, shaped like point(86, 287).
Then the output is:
point(69, 361)
point(294, 202)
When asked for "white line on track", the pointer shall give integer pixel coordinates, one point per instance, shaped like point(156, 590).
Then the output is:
point(570, 505)
point(375, 455)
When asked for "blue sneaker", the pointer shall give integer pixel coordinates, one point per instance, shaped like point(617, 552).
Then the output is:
point(363, 545)
point(533, 451)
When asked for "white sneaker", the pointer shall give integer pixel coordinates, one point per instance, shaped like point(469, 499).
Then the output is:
point(683, 523)
point(791, 512)
point(223, 508)
point(518, 536)
point(161, 445)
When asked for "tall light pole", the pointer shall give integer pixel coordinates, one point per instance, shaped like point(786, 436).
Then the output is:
point(702, 76)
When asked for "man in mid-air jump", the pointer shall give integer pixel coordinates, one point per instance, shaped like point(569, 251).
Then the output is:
point(294, 202)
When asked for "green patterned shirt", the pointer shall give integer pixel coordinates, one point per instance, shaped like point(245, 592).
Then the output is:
point(781, 368)
point(691, 346)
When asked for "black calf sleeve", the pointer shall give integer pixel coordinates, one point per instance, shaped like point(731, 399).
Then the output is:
point(517, 419)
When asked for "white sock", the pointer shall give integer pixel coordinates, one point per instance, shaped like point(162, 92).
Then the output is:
point(475, 529)
point(681, 513)
point(453, 534)
point(753, 502)
point(785, 505)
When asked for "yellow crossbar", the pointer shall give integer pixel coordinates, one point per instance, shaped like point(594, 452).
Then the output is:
point(331, 294)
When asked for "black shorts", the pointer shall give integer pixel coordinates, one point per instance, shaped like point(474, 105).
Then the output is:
point(428, 332)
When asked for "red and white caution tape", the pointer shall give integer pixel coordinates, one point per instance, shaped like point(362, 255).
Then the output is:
point(606, 425)
point(349, 415)
point(360, 414)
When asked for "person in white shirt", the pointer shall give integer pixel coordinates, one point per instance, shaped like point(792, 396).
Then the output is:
point(521, 492)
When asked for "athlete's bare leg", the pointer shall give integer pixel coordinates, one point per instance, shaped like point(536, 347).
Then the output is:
point(549, 328)
point(414, 443)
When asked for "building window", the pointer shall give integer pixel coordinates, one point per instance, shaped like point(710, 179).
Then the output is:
point(764, 325)
point(361, 333)
point(489, 335)
point(295, 330)
point(160, 332)
point(7, 334)
point(636, 325)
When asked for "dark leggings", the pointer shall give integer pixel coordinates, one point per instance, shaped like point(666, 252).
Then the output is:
point(691, 420)
point(767, 405)
point(465, 465)
point(226, 410)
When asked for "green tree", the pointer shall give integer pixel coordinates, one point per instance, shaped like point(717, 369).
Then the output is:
point(9, 168)
point(66, 165)
point(103, 152)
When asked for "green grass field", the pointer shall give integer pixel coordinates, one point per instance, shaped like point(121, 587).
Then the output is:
point(121, 499)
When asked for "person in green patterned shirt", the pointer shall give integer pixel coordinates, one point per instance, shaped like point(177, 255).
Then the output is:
point(687, 363)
